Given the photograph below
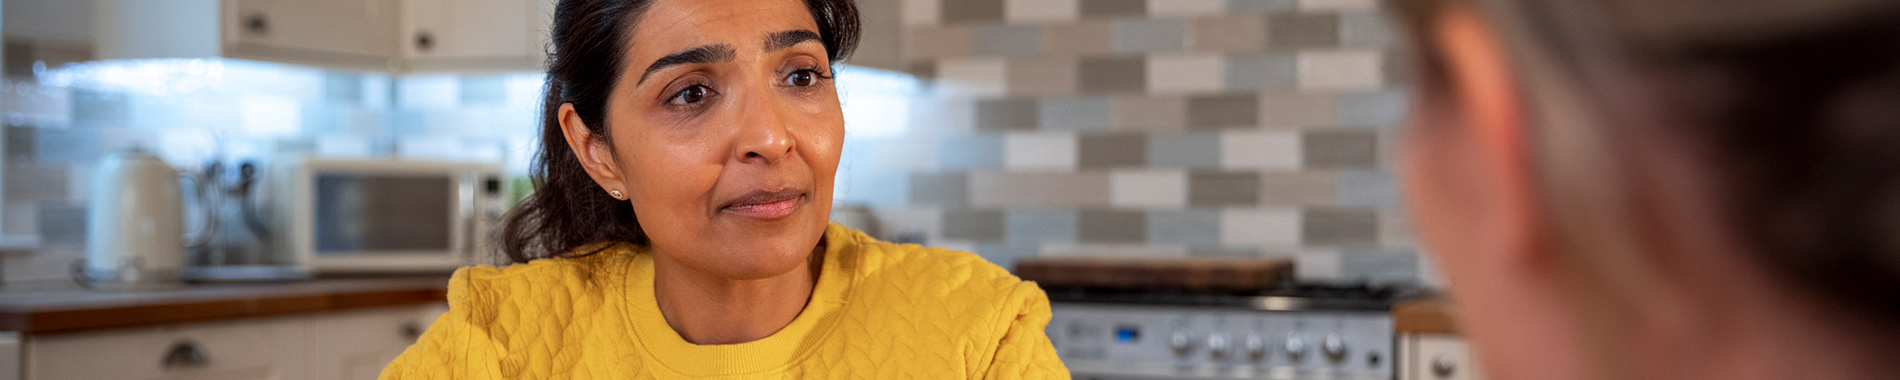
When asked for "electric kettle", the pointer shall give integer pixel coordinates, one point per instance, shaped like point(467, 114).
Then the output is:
point(135, 233)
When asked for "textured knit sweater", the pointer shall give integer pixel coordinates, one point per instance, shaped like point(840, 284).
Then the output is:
point(878, 310)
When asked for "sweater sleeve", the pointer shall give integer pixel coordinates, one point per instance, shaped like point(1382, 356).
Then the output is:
point(455, 346)
point(1025, 351)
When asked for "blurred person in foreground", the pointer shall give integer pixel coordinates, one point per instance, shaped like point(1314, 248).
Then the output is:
point(679, 226)
point(1662, 189)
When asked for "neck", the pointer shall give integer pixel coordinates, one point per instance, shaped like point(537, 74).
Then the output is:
point(707, 309)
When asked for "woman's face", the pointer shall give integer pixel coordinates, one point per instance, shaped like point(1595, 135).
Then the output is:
point(725, 134)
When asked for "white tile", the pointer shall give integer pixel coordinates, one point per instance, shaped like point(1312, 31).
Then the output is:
point(1338, 5)
point(1186, 7)
point(1317, 266)
point(1039, 151)
point(910, 154)
point(1148, 189)
point(974, 77)
point(1113, 250)
point(923, 12)
point(1185, 73)
point(1040, 10)
point(1264, 228)
point(1340, 70)
point(1260, 150)
point(918, 220)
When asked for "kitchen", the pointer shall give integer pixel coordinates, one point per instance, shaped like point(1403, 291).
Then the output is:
point(1246, 132)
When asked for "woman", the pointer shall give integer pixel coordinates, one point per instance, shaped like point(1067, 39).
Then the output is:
point(1663, 189)
point(679, 227)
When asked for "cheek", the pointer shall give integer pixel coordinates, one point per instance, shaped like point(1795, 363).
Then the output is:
point(671, 179)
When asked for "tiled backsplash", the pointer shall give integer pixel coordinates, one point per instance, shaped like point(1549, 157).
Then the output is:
point(1151, 127)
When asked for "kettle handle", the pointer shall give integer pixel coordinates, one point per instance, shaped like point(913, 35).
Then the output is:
point(209, 224)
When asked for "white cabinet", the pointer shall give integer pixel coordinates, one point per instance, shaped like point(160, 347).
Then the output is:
point(1436, 357)
point(442, 35)
point(339, 345)
point(355, 32)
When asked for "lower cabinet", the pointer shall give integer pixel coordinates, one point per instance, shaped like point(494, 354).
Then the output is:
point(337, 345)
point(1436, 357)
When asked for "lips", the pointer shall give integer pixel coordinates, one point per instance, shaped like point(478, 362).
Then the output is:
point(764, 204)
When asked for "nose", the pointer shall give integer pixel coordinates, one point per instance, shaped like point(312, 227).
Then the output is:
point(763, 136)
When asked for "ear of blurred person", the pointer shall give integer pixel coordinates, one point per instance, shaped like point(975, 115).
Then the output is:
point(1621, 189)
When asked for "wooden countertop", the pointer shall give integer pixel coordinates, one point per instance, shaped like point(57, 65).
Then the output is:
point(1432, 315)
point(62, 308)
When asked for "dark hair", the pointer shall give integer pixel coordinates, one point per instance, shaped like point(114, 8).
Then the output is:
point(1799, 119)
point(567, 210)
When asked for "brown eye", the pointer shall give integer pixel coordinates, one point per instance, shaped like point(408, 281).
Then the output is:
point(689, 95)
point(802, 78)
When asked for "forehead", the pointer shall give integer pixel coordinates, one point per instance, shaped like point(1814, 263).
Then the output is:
point(670, 26)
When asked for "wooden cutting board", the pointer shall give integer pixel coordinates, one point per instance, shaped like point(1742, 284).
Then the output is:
point(1151, 273)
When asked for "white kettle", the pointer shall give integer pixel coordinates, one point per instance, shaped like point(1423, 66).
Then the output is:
point(135, 233)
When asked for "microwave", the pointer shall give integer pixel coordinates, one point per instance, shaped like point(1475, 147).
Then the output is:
point(386, 216)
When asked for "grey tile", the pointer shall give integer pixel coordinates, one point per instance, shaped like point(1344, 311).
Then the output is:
point(1040, 225)
point(1150, 35)
point(25, 183)
point(1365, 29)
point(979, 151)
point(1342, 149)
point(1184, 150)
point(475, 89)
point(1085, 37)
point(1386, 266)
point(1222, 251)
point(1150, 112)
point(340, 87)
point(1114, 8)
point(1263, 72)
point(1223, 111)
point(1193, 226)
point(1112, 150)
point(1006, 254)
point(1112, 226)
point(1261, 5)
point(1076, 113)
point(1006, 189)
point(67, 146)
point(968, 11)
point(21, 142)
point(1397, 68)
point(922, 70)
point(1041, 76)
point(1299, 188)
point(100, 109)
point(1008, 40)
point(1006, 114)
point(979, 225)
point(1290, 30)
point(939, 42)
point(62, 223)
point(941, 189)
point(1112, 74)
point(1367, 188)
point(1229, 34)
point(1339, 227)
point(1223, 188)
point(1377, 109)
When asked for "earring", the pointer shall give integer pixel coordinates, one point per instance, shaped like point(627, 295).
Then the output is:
point(616, 194)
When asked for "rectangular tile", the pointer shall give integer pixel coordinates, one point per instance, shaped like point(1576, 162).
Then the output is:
point(1039, 151)
point(1085, 37)
point(1184, 150)
point(1193, 227)
point(1266, 228)
point(1338, 5)
point(1341, 149)
point(1011, 41)
point(1299, 110)
point(1395, 228)
point(1238, 110)
point(946, 115)
point(1223, 188)
point(1228, 34)
point(1040, 224)
point(1260, 150)
point(1262, 72)
point(1294, 31)
point(1112, 150)
point(971, 11)
point(1186, 7)
point(978, 151)
point(1150, 35)
point(1006, 254)
point(1041, 76)
point(1340, 70)
point(31, 182)
point(1149, 189)
point(1114, 8)
point(1317, 265)
point(927, 43)
point(1366, 29)
point(1261, 5)
point(1299, 188)
point(977, 225)
point(1339, 227)
point(1380, 266)
point(1112, 74)
point(1396, 67)
point(1150, 112)
point(1111, 226)
point(1023, 11)
point(939, 189)
point(1008, 114)
point(61, 223)
point(923, 12)
point(989, 189)
point(1376, 109)
point(1076, 113)
point(972, 77)
point(1367, 188)
point(1185, 73)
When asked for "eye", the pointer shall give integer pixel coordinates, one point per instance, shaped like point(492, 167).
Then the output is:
point(690, 95)
point(802, 78)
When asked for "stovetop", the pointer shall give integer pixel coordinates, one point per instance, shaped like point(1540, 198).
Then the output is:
point(1287, 296)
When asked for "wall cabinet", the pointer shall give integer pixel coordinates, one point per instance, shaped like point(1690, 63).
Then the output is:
point(339, 345)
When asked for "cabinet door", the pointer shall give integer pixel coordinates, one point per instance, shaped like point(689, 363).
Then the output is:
point(467, 34)
point(358, 344)
point(1438, 357)
point(313, 30)
point(260, 350)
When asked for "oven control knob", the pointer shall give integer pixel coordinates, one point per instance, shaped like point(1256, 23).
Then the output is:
point(1180, 342)
point(1334, 346)
point(1295, 347)
point(1218, 345)
point(1256, 347)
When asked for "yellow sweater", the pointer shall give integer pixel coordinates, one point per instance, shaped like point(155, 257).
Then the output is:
point(878, 310)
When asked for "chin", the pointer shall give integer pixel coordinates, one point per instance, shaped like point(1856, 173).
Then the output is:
point(755, 253)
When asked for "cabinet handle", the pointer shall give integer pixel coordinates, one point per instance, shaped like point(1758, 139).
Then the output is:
point(186, 354)
point(256, 23)
point(424, 41)
point(412, 331)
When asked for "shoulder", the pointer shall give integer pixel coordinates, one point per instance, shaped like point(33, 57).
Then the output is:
point(536, 284)
point(943, 279)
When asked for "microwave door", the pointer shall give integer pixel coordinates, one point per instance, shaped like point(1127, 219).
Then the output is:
point(385, 215)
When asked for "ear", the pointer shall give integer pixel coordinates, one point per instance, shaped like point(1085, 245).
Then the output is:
point(1486, 94)
point(592, 150)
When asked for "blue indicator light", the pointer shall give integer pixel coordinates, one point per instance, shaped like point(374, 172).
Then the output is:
point(1127, 335)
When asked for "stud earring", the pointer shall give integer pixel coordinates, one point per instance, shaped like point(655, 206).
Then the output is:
point(616, 194)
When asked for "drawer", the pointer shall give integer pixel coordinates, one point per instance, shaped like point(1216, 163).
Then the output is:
point(1438, 357)
point(250, 349)
point(358, 344)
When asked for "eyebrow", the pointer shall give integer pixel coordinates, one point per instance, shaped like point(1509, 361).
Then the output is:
point(702, 54)
point(786, 39)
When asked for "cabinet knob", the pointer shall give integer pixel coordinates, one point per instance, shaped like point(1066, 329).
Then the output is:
point(1443, 366)
point(186, 354)
point(425, 41)
point(256, 23)
point(412, 331)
